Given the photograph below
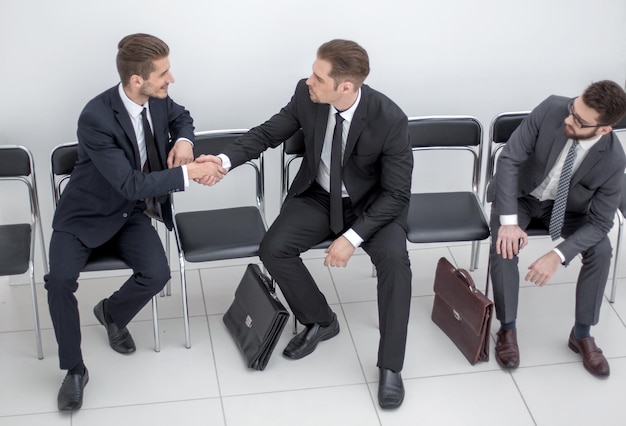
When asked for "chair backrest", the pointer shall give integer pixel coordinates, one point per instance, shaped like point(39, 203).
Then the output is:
point(17, 164)
point(214, 141)
point(502, 127)
point(62, 161)
point(292, 149)
point(452, 133)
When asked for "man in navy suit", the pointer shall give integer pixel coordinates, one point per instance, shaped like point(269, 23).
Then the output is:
point(135, 147)
point(569, 137)
point(373, 187)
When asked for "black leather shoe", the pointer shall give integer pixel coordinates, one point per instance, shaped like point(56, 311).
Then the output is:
point(390, 389)
point(306, 342)
point(71, 393)
point(119, 338)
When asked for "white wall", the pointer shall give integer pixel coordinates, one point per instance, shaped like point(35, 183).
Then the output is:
point(237, 62)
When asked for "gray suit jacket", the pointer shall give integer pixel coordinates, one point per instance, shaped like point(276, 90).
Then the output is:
point(530, 154)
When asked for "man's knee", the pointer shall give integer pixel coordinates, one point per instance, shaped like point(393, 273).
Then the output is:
point(602, 250)
point(54, 283)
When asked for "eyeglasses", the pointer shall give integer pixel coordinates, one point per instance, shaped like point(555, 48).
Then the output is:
point(577, 120)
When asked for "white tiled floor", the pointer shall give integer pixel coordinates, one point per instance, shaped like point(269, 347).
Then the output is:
point(336, 385)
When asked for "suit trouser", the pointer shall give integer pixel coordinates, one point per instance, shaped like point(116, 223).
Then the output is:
point(304, 222)
point(138, 244)
point(592, 278)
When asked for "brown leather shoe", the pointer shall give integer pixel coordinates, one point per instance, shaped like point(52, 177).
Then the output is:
point(507, 352)
point(593, 360)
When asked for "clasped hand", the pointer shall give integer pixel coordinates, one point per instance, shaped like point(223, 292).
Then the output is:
point(206, 170)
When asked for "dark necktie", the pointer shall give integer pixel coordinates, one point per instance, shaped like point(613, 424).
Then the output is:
point(560, 202)
point(153, 163)
point(336, 206)
point(151, 150)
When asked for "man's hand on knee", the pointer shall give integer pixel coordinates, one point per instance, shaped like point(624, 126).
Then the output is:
point(339, 252)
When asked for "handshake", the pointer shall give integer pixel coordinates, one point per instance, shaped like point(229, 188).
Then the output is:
point(206, 170)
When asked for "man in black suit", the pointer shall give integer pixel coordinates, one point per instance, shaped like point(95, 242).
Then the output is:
point(124, 174)
point(372, 192)
point(565, 149)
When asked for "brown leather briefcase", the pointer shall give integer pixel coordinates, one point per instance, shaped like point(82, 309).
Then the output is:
point(462, 311)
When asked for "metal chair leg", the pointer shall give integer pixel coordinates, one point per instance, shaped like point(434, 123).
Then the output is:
point(183, 287)
point(474, 256)
point(155, 323)
point(35, 312)
point(616, 262)
point(167, 290)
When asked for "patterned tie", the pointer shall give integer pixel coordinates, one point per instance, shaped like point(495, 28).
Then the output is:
point(558, 208)
point(336, 204)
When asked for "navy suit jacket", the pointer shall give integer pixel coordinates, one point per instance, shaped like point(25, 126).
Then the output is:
point(107, 181)
point(530, 154)
point(377, 160)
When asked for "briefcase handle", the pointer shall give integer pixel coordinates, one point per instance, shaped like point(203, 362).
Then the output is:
point(465, 276)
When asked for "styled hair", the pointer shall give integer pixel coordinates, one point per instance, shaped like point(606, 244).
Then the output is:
point(608, 99)
point(136, 53)
point(348, 60)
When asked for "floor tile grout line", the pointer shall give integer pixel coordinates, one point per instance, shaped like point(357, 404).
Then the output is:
point(208, 324)
point(361, 366)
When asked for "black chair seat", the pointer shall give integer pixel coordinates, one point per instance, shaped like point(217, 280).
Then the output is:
point(103, 260)
point(446, 217)
point(14, 248)
point(220, 234)
point(536, 228)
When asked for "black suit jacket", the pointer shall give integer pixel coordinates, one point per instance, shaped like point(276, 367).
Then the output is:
point(377, 161)
point(530, 154)
point(107, 180)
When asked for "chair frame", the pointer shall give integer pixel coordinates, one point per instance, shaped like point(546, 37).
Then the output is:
point(476, 151)
point(258, 166)
point(58, 179)
point(27, 176)
point(620, 127)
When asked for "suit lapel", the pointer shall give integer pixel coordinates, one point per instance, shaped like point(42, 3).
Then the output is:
point(358, 123)
point(321, 121)
point(593, 156)
point(557, 147)
point(121, 114)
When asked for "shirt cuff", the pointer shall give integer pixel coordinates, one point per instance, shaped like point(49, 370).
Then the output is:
point(183, 139)
point(557, 251)
point(225, 161)
point(508, 219)
point(353, 237)
point(185, 175)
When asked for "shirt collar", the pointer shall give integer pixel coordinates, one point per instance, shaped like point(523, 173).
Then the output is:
point(349, 113)
point(133, 109)
point(586, 144)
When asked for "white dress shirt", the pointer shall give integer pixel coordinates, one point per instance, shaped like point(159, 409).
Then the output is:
point(134, 112)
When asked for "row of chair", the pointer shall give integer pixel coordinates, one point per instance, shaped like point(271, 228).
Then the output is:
point(236, 232)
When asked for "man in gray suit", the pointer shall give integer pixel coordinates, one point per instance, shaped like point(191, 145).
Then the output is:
point(528, 185)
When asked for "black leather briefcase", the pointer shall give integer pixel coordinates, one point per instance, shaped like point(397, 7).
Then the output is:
point(256, 318)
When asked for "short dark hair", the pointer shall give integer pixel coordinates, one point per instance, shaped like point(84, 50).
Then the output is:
point(608, 99)
point(348, 61)
point(136, 53)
